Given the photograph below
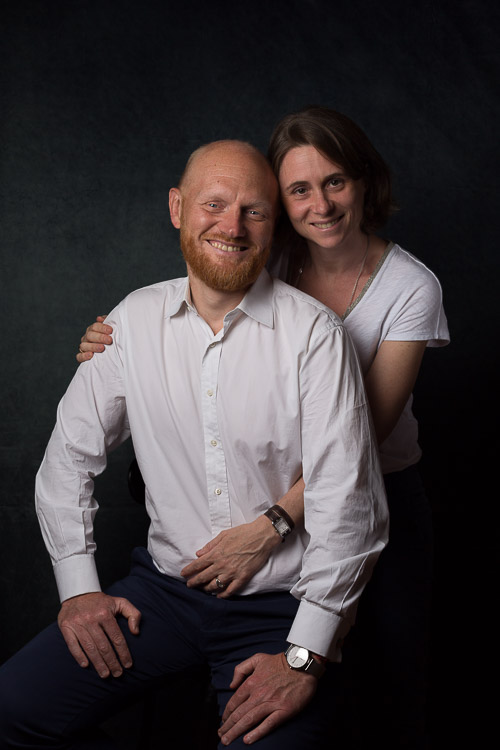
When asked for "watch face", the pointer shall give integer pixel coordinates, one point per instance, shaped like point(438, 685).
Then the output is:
point(297, 657)
point(282, 526)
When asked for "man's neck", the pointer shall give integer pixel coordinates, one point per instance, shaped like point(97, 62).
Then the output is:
point(212, 304)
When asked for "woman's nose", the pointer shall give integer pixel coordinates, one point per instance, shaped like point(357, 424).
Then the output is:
point(321, 205)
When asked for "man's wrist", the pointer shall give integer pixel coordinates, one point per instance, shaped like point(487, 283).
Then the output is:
point(302, 660)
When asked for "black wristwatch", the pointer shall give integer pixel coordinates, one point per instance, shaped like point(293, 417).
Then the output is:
point(300, 658)
point(281, 521)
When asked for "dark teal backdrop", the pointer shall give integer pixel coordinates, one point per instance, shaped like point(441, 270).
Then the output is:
point(102, 101)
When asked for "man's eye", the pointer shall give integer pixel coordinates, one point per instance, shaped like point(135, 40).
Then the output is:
point(213, 205)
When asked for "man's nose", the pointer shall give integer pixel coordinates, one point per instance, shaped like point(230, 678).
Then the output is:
point(231, 223)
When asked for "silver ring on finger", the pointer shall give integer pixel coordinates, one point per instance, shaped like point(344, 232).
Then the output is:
point(219, 583)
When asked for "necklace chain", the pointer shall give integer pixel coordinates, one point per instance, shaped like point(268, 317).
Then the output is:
point(361, 269)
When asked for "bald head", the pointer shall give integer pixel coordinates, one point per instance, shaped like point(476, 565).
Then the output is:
point(226, 150)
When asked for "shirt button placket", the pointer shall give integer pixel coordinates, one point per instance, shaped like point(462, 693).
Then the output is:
point(215, 463)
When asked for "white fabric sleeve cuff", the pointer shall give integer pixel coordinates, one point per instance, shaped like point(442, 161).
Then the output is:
point(318, 630)
point(76, 575)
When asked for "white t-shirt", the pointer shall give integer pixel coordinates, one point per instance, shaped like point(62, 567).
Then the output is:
point(402, 301)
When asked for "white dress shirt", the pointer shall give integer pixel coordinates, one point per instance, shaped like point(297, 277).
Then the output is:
point(222, 426)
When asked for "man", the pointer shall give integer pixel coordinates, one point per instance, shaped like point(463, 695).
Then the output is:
point(232, 386)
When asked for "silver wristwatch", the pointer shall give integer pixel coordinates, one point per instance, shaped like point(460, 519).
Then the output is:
point(281, 521)
point(300, 658)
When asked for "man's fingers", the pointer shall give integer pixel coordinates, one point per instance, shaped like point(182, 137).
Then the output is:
point(89, 626)
point(100, 649)
point(127, 609)
point(241, 672)
point(113, 647)
point(257, 719)
point(74, 647)
point(266, 726)
point(83, 648)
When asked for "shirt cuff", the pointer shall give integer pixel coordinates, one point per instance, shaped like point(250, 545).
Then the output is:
point(318, 630)
point(76, 575)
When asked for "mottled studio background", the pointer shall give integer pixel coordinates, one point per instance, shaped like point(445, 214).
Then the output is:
point(101, 103)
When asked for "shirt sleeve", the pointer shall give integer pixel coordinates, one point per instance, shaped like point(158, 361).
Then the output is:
point(91, 421)
point(346, 512)
point(418, 313)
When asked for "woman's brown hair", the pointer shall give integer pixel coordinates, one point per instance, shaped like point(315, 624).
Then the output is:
point(340, 140)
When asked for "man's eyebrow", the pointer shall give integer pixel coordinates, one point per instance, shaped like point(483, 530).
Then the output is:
point(260, 204)
point(209, 196)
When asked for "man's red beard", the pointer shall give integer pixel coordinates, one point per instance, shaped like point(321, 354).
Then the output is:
point(231, 277)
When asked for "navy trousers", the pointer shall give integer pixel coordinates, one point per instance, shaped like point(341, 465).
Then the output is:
point(48, 701)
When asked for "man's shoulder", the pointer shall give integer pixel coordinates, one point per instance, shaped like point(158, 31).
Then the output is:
point(287, 297)
point(162, 293)
point(171, 287)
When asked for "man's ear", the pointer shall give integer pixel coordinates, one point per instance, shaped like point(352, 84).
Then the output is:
point(174, 204)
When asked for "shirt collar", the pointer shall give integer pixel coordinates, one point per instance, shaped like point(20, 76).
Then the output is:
point(181, 296)
point(257, 302)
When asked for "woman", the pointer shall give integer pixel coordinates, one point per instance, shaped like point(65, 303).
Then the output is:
point(336, 192)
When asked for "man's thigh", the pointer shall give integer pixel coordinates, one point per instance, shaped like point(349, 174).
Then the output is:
point(46, 698)
point(243, 626)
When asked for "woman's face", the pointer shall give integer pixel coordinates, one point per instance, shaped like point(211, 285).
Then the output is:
point(324, 205)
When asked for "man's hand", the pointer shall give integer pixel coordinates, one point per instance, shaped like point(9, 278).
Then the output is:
point(88, 624)
point(268, 693)
point(234, 555)
point(95, 339)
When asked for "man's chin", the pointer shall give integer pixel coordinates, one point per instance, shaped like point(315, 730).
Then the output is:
point(226, 281)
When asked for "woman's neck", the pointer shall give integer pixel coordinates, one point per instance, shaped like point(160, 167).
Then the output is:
point(338, 260)
point(337, 277)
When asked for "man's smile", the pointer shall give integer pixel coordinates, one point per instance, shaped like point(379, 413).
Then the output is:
point(227, 248)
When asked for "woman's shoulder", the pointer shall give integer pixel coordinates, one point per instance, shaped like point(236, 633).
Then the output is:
point(401, 262)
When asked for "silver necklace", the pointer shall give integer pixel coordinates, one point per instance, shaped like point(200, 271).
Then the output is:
point(361, 269)
point(359, 274)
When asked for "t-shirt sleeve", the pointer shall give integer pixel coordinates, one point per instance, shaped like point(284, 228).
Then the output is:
point(418, 314)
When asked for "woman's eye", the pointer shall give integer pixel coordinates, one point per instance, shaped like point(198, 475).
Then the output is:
point(335, 182)
point(300, 191)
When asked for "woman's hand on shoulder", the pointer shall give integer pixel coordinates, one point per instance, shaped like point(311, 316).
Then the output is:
point(95, 339)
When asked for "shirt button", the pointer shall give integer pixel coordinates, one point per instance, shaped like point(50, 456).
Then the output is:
point(218, 491)
point(213, 442)
point(211, 346)
point(210, 392)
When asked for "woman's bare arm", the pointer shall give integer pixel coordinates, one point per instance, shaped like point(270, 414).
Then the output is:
point(390, 381)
